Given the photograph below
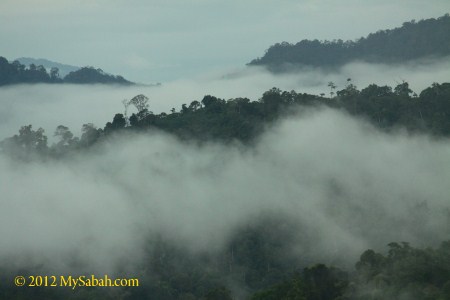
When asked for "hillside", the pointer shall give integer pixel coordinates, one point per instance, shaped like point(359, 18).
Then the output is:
point(18, 73)
point(414, 40)
point(253, 261)
point(91, 75)
point(239, 119)
point(64, 69)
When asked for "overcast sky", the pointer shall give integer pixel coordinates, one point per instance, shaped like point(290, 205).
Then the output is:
point(161, 40)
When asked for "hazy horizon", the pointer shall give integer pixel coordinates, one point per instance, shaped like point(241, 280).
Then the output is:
point(325, 182)
point(49, 105)
point(161, 41)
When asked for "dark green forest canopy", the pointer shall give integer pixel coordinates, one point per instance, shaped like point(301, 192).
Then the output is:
point(92, 75)
point(414, 40)
point(17, 73)
point(252, 257)
point(239, 119)
point(252, 260)
point(404, 273)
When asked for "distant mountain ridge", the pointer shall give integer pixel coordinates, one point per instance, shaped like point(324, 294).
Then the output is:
point(414, 40)
point(46, 71)
point(64, 69)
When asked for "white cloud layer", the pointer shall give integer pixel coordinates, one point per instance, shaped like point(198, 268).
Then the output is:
point(343, 186)
point(48, 106)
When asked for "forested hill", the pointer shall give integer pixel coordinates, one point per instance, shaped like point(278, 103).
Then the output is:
point(215, 119)
point(414, 40)
point(64, 69)
point(17, 73)
point(254, 260)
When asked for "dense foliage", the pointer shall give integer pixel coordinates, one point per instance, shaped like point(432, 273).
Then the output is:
point(404, 273)
point(64, 69)
point(92, 75)
point(426, 38)
point(253, 268)
point(16, 73)
point(252, 264)
point(240, 119)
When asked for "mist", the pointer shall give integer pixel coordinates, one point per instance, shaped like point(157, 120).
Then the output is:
point(162, 41)
point(48, 106)
point(340, 184)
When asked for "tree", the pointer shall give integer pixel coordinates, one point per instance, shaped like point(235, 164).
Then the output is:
point(349, 91)
point(32, 140)
point(220, 293)
point(140, 102)
point(213, 104)
point(7, 72)
point(403, 89)
point(65, 136)
point(92, 75)
point(27, 144)
point(66, 141)
point(126, 104)
point(90, 134)
point(332, 87)
point(426, 38)
point(375, 91)
point(54, 74)
point(184, 108)
point(118, 122)
point(195, 105)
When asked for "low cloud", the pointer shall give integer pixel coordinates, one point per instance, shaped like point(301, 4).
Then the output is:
point(48, 106)
point(341, 185)
point(183, 38)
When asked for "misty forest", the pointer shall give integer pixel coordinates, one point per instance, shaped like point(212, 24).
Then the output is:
point(339, 192)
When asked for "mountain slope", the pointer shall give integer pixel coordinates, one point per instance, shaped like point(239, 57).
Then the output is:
point(64, 69)
point(18, 73)
point(92, 75)
point(414, 40)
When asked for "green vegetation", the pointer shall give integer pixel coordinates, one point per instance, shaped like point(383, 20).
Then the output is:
point(253, 262)
point(16, 73)
point(256, 261)
point(240, 119)
point(404, 273)
point(92, 75)
point(414, 40)
point(64, 69)
point(253, 265)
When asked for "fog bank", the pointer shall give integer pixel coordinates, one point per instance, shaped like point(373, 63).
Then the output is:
point(344, 187)
point(48, 106)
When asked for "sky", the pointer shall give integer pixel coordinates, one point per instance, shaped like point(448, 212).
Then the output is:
point(48, 106)
point(341, 183)
point(165, 40)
